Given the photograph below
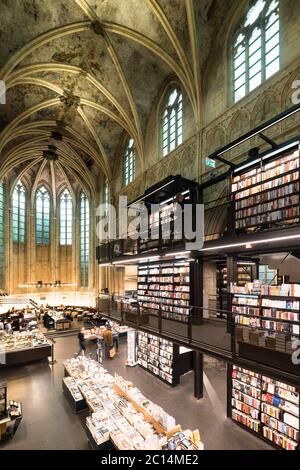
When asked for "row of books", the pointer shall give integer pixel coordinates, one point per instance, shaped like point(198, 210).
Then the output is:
point(270, 170)
point(242, 203)
point(257, 404)
point(156, 355)
point(256, 288)
point(267, 186)
point(277, 341)
point(165, 286)
point(275, 216)
point(271, 206)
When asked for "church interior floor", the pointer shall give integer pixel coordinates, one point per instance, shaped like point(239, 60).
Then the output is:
point(49, 422)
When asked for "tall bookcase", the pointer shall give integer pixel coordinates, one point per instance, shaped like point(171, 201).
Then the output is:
point(267, 407)
point(268, 193)
point(245, 273)
point(166, 286)
point(267, 316)
point(163, 358)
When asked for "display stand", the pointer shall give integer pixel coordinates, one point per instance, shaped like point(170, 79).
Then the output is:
point(105, 446)
point(132, 348)
point(162, 358)
point(77, 405)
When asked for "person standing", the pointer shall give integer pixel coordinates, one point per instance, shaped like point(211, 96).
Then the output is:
point(115, 335)
point(82, 345)
point(108, 339)
point(8, 328)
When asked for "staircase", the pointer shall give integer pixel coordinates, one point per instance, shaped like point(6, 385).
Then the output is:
point(13, 300)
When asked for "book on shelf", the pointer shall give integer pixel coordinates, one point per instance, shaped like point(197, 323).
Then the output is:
point(156, 355)
point(166, 286)
point(268, 193)
point(266, 406)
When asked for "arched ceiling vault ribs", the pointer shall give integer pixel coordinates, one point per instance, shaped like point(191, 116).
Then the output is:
point(41, 40)
point(37, 181)
point(53, 183)
point(56, 101)
point(68, 183)
point(96, 138)
point(190, 11)
point(36, 82)
point(50, 67)
point(29, 150)
point(82, 26)
point(25, 114)
point(159, 13)
point(25, 170)
point(139, 137)
point(71, 85)
point(156, 49)
point(36, 128)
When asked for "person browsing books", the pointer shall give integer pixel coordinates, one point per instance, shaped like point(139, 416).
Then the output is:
point(108, 339)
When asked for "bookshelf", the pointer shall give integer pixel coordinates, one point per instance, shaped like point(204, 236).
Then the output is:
point(165, 286)
point(268, 194)
point(267, 316)
point(245, 274)
point(162, 358)
point(265, 406)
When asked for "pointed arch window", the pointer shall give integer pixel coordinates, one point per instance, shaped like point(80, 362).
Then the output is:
point(84, 240)
point(256, 47)
point(129, 162)
point(42, 216)
point(66, 218)
point(1, 235)
point(18, 213)
point(172, 121)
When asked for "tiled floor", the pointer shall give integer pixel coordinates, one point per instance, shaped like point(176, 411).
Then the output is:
point(49, 422)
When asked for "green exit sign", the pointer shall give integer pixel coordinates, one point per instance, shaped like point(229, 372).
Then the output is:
point(210, 163)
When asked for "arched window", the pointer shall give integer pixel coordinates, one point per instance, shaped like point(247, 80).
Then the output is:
point(66, 218)
point(1, 236)
point(18, 213)
point(172, 122)
point(84, 240)
point(129, 163)
point(42, 216)
point(106, 195)
point(256, 47)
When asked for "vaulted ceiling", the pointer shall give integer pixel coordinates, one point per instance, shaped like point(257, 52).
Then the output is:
point(81, 73)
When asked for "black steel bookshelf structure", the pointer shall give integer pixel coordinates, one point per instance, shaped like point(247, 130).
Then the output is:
point(247, 271)
point(258, 215)
point(265, 406)
point(267, 194)
point(163, 358)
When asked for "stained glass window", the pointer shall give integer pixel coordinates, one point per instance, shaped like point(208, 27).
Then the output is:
point(172, 122)
point(256, 47)
point(84, 240)
point(42, 216)
point(18, 213)
point(129, 163)
point(66, 218)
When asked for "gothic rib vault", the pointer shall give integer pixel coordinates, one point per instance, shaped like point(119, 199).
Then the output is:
point(81, 74)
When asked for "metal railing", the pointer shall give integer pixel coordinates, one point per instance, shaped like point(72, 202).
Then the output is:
point(208, 329)
point(204, 327)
